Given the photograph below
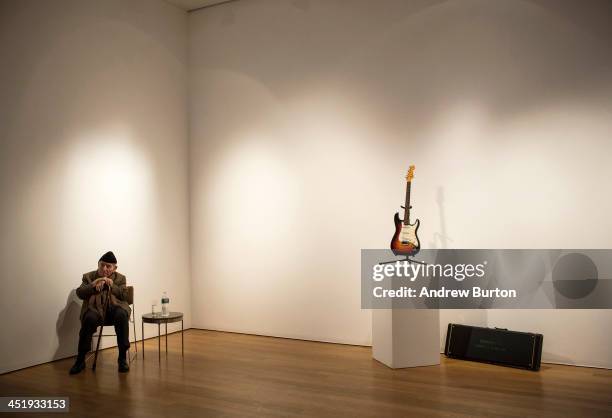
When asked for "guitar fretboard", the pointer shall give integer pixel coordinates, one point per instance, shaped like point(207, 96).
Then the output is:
point(407, 205)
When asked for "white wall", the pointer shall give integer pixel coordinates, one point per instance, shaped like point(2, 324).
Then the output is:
point(304, 117)
point(93, 137)
point(306, 114)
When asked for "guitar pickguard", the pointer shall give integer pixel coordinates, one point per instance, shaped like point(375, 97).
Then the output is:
point(408, 234)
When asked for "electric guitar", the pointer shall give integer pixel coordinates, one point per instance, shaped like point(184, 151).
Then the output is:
point(405, 240)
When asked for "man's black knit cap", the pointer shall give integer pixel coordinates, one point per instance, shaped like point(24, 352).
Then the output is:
point(109, 257)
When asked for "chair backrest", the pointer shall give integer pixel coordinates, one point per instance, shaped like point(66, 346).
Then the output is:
point(130, 295)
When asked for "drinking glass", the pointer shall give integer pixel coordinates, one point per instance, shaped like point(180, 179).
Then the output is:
point(154, 307)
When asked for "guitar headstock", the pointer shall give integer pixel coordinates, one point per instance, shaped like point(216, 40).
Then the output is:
point(410, 174)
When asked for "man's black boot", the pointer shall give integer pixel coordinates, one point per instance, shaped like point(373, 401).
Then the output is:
point(123, 365)
point(79, 365)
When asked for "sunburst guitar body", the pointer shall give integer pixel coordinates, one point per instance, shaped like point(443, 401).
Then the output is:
point(405, 241)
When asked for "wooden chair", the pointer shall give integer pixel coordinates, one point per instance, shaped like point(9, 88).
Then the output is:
point(100, 334)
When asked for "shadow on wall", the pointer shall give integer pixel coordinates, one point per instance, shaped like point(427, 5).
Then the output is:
point(67, 327)
point(513, 58)
point(535, 54)
point(440, 239)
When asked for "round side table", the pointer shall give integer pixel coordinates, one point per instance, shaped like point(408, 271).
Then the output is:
point(158, 319)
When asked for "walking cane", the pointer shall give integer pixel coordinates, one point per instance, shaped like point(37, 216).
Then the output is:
point(108, 296)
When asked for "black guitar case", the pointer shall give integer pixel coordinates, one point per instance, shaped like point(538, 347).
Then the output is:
point(494, 345)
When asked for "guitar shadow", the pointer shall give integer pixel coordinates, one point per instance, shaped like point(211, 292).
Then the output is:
point(441, 240)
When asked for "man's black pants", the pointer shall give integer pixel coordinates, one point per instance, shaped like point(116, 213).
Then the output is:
point(114, 316)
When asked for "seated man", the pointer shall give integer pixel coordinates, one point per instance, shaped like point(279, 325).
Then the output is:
point(94, 291)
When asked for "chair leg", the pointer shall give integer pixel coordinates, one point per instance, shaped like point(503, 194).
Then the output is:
point(97, 348)
point(134, 325)
point(133, 321)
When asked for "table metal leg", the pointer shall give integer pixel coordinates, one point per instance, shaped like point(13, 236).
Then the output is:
point(158, 342)
point(142, 339)
point(182, 341)
point(166, 339)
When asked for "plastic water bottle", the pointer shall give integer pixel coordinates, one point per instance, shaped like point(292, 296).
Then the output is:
point(165, 302)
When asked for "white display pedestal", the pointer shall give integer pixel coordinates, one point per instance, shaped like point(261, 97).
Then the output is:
point(406, 337)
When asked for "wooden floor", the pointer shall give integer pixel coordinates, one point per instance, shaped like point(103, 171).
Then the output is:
point(225, 374)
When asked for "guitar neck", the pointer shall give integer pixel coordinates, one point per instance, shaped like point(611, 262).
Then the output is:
point(407, 205)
